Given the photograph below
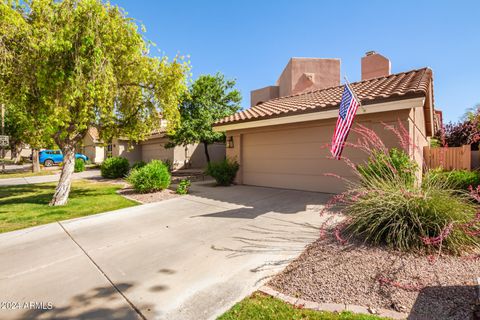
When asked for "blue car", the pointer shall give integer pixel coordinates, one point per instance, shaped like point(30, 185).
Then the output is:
point(51, 157)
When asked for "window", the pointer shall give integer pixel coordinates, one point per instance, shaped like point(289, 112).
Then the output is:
point(109, 150)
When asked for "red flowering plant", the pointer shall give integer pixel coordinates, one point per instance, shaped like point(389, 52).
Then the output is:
point(387, 202)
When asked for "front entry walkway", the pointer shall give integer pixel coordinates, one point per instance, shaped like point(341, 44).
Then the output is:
point(190, 257)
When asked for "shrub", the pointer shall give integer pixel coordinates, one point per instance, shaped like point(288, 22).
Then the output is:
point(461, 133)
point(455, 179)
point(79, 165)
point(392, 165)
point(139, 164)
point(169, 164)
point(114, 167)
point(388, 205)
point(223, 172)
point(152, 177)
point(183, 186)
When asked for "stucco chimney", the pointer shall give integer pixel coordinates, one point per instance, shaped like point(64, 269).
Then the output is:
point(375, 65)
point(300, 75)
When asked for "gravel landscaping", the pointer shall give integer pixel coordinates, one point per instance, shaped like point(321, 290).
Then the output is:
point(426, 287)
point(129, 193)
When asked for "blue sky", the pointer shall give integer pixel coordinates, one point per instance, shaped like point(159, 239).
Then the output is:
point(252, 41)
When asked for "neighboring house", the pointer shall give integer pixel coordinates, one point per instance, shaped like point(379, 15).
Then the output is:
point(280, 142)
point(438, 120)
point(92, 146)
point(190, 156)
point(25, 152)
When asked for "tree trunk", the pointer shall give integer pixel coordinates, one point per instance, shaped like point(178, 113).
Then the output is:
point(62, 191)
point(35, 161)
point(207, 155)
point(16, 153)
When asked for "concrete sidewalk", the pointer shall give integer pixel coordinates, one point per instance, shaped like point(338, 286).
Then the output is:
point(190, 257)
point(49, 178)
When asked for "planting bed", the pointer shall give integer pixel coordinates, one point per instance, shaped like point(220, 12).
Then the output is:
point(426, 287)
point(129, 193)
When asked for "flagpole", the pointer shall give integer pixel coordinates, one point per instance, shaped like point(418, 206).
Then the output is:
point(355, 95)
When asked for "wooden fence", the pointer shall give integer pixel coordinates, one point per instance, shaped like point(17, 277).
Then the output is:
point(448, 158)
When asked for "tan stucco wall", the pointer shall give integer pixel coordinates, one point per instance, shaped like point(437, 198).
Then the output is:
point(190, 156)
point(235, 153)
point(154, 148)
point(323, 73)
point(94, 151)
point(418, 135)
point(264, 94)
point(121, 148)
point(291, 155)
point(197, 156)
point(26, 152)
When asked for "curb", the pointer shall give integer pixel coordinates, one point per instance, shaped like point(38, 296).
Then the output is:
point(332, 307)
point(128, 197)
point(476, 308)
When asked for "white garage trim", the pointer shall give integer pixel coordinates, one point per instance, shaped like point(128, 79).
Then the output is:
point(373, 108)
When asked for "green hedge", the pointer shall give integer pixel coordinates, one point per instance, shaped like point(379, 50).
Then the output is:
point(152, 177)
point(223, 172)
point(114, 167)
point(79, 165)
point(456, 179)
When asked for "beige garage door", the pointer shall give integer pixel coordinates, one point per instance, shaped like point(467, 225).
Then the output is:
point(154, 149)
point(294, 159)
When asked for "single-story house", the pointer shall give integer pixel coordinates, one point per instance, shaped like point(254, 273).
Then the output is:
point(190, 156)
point(278, 142)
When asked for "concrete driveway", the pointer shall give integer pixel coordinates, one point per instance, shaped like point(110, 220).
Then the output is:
point(190, 257)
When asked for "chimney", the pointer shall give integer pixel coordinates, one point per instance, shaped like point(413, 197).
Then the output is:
point(300, 75)
point(375, 65)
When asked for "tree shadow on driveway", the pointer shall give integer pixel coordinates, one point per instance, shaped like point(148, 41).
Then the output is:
point(97, 303)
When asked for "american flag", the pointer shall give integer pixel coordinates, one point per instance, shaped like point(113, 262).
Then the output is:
point(348, 109)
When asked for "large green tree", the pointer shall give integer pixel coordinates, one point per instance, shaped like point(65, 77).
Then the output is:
point(210, 98)
point(84, 63)
point(16, 127)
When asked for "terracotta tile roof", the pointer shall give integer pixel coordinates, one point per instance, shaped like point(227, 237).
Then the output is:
point(398, 86)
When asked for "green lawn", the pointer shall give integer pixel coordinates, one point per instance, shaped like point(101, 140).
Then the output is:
point(27, 174)
point(262, 307)
point(27, 205)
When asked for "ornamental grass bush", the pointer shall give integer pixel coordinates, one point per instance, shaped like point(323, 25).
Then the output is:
point(152, 177)
point(223, 172)
point(114, 167)
point(387, 204)
point(79, 165)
